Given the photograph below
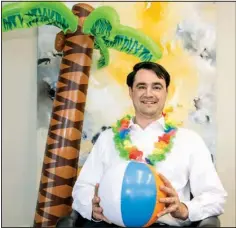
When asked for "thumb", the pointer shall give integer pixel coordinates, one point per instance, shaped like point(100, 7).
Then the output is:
point(96, 190)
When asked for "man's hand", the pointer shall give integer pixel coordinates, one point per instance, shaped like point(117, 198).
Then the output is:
point(173, 205)
point(97, 210)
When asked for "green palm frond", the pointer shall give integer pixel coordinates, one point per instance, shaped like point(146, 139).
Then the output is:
point(104, 59)
point(104, 24)
point(33, 14)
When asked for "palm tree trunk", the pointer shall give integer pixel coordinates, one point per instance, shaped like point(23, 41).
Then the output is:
point(60, 164)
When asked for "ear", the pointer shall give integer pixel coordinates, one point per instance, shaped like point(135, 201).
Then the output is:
point(130, 92)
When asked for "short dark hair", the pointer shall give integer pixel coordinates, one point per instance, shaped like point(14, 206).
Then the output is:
point(155, 67)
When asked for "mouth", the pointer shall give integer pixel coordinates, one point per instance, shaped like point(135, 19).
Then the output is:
point(148, 102)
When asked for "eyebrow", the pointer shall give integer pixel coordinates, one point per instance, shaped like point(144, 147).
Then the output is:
point(143, 83)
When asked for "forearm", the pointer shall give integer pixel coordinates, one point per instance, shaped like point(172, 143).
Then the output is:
point(89, 176)
point(208, 193)
point(205, 205)
point(82, 199)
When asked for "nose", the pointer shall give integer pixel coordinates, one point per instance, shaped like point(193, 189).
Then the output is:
point(149, 92)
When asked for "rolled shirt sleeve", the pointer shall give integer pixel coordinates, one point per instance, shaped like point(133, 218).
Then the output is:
point(90, 175)
point(208, 193)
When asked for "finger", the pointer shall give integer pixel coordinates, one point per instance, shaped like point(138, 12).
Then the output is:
point(169, 200)
point(95, 200)
point(105, 219)
point(168, 190)
point(96, 190)
point(98, 216)
point(165, 181)
point(168, 210)
point(97, 210)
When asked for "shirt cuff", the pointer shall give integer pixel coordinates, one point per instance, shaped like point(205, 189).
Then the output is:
point(194, 211)
point(84, 210)
point(95, 220)
point(181, 222)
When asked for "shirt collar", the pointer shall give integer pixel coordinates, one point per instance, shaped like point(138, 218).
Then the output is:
point(155, 124)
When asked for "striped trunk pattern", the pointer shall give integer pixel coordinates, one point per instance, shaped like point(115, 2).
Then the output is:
point(60, 164)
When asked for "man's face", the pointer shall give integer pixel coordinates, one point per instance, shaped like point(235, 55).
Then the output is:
point(148, 93)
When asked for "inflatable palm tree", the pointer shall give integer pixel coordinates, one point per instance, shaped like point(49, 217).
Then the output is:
point(83, 29)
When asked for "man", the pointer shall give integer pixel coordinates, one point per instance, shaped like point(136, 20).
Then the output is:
point(187, 168)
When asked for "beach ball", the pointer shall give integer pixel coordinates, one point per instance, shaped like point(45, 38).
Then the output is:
point(129, 194)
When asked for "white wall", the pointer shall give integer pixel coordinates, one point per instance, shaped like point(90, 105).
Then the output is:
point(226, 106)
point(19, 105)
point(19, 159)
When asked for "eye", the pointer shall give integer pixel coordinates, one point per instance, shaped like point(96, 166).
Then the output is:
point(157, 87)
point(141, 87)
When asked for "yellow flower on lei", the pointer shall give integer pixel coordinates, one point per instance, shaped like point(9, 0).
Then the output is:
point(158, 151)
point(127, 144)
point(160, 145)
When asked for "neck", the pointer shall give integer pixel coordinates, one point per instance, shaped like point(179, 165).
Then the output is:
point(144, 121)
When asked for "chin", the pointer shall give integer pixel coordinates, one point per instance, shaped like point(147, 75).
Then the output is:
point(150, 114)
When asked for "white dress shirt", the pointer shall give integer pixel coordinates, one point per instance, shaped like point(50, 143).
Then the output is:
point(188, 166)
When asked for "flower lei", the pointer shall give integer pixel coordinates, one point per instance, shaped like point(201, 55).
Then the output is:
point(130, 152)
